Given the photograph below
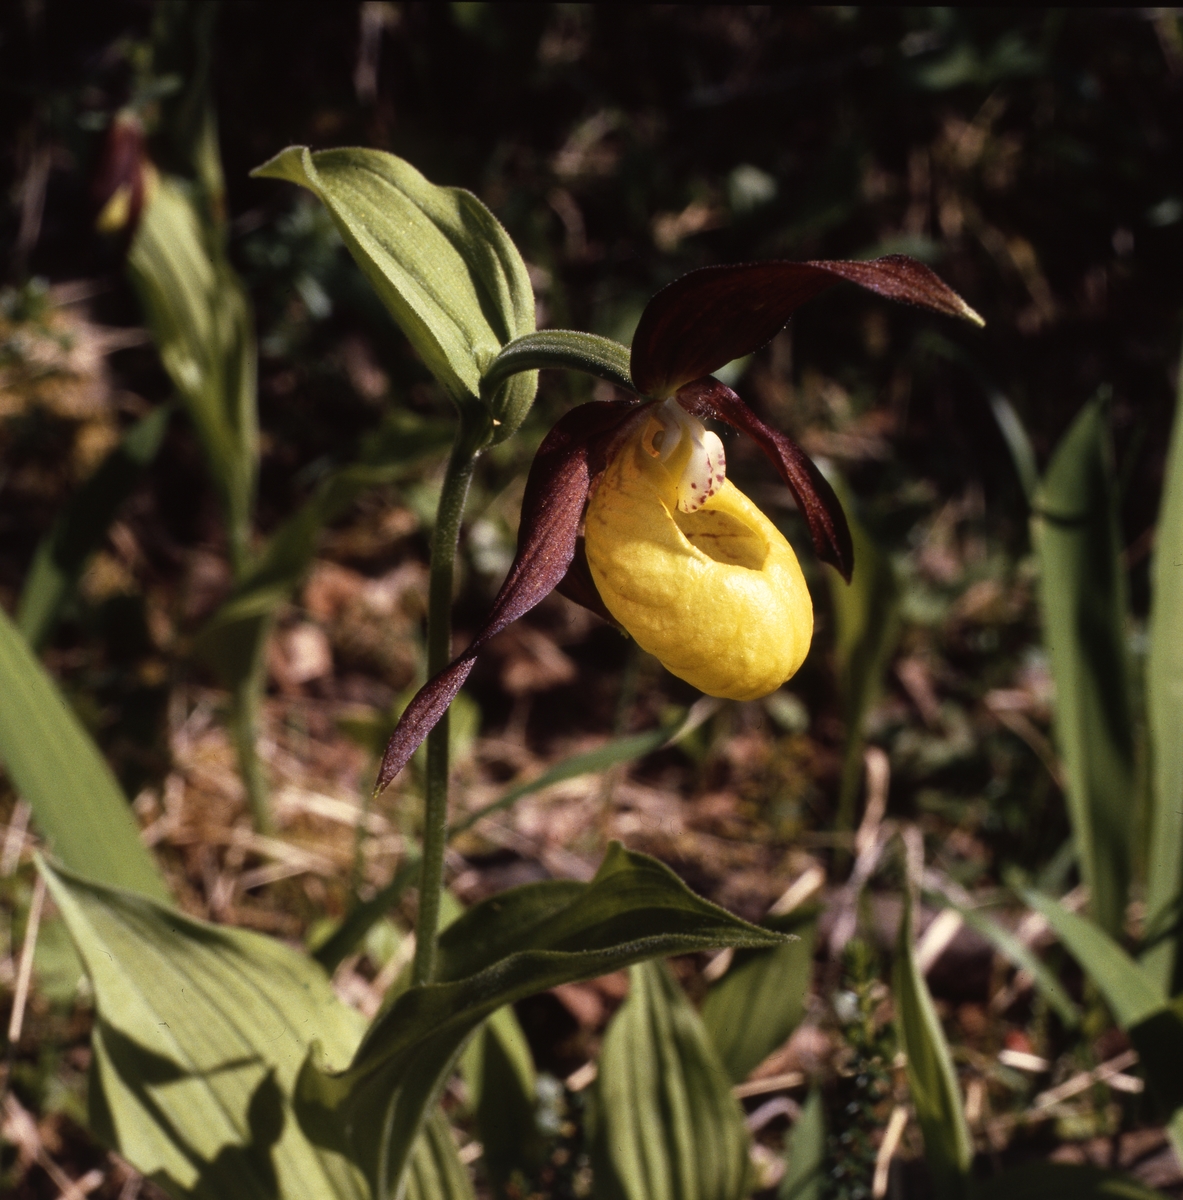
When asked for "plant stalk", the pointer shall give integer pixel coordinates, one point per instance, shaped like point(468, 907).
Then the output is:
point(444, 542)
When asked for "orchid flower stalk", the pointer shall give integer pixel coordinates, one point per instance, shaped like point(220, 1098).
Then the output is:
point(627, 508)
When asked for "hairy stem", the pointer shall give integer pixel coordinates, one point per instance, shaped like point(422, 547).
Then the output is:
point(439, 650)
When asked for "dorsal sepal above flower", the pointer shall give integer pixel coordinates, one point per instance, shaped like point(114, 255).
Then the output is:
point(714, 315)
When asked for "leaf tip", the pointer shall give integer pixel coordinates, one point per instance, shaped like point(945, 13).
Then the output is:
point(293, 163)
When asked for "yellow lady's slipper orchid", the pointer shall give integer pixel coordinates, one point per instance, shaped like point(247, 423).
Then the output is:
point(671, 551)
point(691, 567)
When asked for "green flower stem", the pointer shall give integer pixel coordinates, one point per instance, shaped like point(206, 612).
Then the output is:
point(472, 436)
point(564, 348)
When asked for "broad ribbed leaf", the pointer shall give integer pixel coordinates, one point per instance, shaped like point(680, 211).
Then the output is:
point(805, 1153)
point(717, 314)
point(936, 1096)
point(569, 458)
point(442, 264)
point(815, 497)
point(1164, 708)
point(499, 1072)
point(666, 1125)
point(435, 1171)
point(517, 943)
point(201, 321)
point(567, 349)
point(761, 999)
point(1063, 1181)
point(55, 766)
point(82, 525)
point(1083, 603)
point(199, 1037)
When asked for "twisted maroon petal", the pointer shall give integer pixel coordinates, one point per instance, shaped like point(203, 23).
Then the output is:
point(716, 314)
point(552, 507)
point(820, 507)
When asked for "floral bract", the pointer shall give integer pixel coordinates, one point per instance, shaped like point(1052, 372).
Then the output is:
point(674, 553)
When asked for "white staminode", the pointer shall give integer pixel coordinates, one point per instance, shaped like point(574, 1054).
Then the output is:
point(706, 466)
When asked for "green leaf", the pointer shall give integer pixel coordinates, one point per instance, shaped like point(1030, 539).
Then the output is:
point(1021, 956)
point(805, 1153)
point(435, 1171)
point(515, 944)
point(440, 261)
point(1022, 453)
point(1083, 602)
point(201, 321)
point(1164, 704)
point(932, 1081)
point(1062, 1181)
point(499, 1071)
point(199, 1037)
point(866, 631)
point(666, 1126)
point(761, 999)
point(55, 766)
point(82, 525)
point(1136, 1000)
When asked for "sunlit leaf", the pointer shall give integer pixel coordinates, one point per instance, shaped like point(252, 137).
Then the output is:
point(82, 525)
point(805, 1153)
point(512, 945)
point(442, 264)
point(932, 1081)
point(1164, 709)
point(201, 322)
point(761, 999)
point(200, 1034)
point(56, 767)
point(666, 1126)
point(1083, 603)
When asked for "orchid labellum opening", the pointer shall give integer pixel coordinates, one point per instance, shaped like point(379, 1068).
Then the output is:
point(670, 549)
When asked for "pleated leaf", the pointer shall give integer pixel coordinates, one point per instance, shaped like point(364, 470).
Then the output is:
point(1083, 604)
point(761, 999)
point(440, 261)
point(666, 1126)
point(805, 1153)
point(514, 944)
point(53, 763)
point(201, 322)
point(1164, 704)
point(200, 1034)
point(932, 1080)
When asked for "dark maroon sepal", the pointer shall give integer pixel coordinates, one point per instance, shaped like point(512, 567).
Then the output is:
point(552, 508)
point(816, 499)
point(716, 314)
point(579, 587)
